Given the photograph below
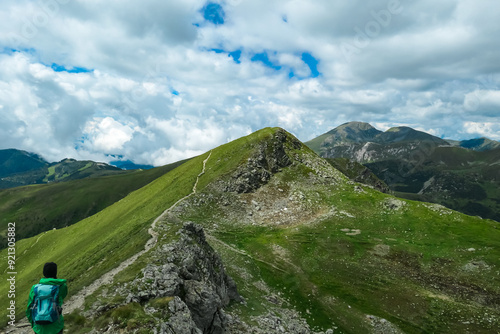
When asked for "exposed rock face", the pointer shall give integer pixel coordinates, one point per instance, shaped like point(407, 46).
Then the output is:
point(271, 157)
point(192, 273)
point(179, 319)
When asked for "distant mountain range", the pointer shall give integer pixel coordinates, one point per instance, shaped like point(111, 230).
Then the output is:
point(363, 143)
point(462, 175)
point(129, 165)
point(19, 168)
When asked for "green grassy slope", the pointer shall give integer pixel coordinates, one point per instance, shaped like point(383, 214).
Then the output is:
point(40, 208)
point(317, 143)
point(338, 255)
point(464, 180)
point(93, 246)
point(15, 161)
point(358, 173)
point(309, 240)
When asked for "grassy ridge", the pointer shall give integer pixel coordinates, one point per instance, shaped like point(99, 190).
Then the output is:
point(40, 208)
point(90, 248)
point(226, 158)
point(423, 267)
point(93, 246)
point(309, 240)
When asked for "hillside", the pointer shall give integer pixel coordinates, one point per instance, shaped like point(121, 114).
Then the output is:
point(309, 250)
point(463, 176)
point(16, 161)
point(477, 144)
point(358, 173)
point(460, 179)
point(19, 168)
point(40, 208)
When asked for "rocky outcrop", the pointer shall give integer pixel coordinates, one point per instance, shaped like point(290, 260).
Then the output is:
point(270, 157)
point(189, 272)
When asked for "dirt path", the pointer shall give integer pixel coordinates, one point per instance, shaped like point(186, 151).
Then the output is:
point(77, 300)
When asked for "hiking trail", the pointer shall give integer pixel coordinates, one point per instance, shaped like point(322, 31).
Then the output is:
point(77, 300)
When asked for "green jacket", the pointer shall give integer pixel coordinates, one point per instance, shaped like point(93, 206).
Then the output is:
point(58, 325)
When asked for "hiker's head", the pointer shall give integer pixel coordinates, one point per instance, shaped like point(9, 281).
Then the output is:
point(50, 270)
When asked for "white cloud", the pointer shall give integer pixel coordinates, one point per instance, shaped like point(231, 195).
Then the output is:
point(484, 129)
point(107, 135)
point(431, 65)
point(298, 66)
point(486, 102)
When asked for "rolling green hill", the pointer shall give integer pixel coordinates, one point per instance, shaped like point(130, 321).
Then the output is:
point(39, 208)
point(91, 247)
point(19, 168)
point(308, 249)
point(65, 170)
point(16, 161)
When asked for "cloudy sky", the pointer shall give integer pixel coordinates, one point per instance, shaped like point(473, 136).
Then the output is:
point(156, 81)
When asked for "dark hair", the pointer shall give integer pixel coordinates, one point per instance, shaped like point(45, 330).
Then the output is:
point(50, 270)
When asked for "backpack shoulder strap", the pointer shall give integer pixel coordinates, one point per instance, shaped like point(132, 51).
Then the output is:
point(55, 293)
point(36, 297)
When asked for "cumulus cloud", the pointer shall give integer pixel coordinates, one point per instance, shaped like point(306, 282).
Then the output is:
point(483, 129)
point(107, 135)
point(158, 81)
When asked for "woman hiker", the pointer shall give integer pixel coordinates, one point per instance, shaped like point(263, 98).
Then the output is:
point(45, 301)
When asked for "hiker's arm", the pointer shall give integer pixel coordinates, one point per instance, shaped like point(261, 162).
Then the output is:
point(28, 308)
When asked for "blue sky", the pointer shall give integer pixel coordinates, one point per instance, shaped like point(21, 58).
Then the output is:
point(213, 13)
point(159, 81)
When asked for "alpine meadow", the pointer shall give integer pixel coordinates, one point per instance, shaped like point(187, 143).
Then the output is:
point(273, 239)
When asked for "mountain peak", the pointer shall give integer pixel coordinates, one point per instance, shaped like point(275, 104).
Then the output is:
point(356, 125)
point(16, 161)
point(400, 128)
point(362, 142)
point(354, 132)
point(407, 134)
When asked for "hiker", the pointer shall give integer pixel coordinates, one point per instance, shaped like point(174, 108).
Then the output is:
point(44, 309)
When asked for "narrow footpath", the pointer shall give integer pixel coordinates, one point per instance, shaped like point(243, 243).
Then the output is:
point(77, 300)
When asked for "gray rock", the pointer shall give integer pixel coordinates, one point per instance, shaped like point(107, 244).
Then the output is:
point(188, 270)
point(179, 319)
point(270, 157)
